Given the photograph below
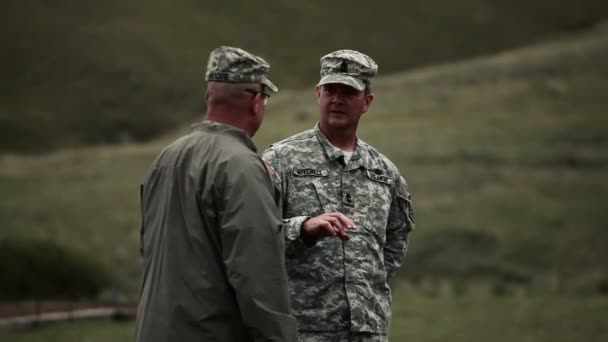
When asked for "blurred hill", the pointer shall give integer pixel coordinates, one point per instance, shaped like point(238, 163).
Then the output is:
point(113, 71)
point(506, 157)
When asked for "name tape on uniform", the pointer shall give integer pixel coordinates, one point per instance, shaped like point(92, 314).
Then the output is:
point(310, 173)
point(379, 178)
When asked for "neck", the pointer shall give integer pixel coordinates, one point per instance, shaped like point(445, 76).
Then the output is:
point(344, 139)
point(230, 120)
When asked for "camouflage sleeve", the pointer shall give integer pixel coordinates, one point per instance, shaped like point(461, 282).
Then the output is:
point(400, 223)
point(294, 244)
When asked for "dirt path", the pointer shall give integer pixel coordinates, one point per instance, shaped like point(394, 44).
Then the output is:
point(22, 314)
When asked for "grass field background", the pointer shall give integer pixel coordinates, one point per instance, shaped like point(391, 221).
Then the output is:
point(111, 71)
point(418, 317)
point(506, 157)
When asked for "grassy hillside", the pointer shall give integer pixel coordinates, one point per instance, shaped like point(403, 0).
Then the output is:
point(113, 71)
point(506, 158)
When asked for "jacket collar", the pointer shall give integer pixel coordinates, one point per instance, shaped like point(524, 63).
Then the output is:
point(239, 134)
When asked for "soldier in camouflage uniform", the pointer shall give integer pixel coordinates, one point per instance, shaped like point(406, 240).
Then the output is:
point(339, 287)
point(213, 252)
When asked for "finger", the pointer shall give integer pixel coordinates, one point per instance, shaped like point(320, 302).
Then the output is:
point(328, 228)
point(335, 222)
point(343, 235)
point(337, 226)
point(340, 232)
point(345, 221)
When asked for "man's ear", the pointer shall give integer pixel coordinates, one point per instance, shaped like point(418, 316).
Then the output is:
point(318, 92)
point(369, 98)
point(256, 103)
point(253, 105)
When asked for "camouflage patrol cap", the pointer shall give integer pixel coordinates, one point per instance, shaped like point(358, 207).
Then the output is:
point(234, 65)
point(348, 67)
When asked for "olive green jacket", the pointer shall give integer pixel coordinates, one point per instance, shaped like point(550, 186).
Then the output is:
point(212, 246)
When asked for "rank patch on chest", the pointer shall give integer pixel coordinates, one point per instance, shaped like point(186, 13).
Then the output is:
point(310, 173)
point(379, 178)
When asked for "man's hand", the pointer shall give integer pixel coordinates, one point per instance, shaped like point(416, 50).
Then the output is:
point(329, 224)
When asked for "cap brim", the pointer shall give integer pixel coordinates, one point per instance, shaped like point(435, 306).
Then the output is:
point(269, 84)
point(343, 79)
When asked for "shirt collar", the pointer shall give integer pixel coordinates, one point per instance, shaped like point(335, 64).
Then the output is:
point(359, 158)
point(239, 134)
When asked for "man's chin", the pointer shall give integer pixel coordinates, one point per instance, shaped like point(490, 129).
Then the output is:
point(338, 122)
point(336, 118)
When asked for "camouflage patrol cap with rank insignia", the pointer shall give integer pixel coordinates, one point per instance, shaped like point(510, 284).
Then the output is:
point(348, 67)
point(234, 65)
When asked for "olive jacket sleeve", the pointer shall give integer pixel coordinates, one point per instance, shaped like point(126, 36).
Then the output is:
point(253, 249)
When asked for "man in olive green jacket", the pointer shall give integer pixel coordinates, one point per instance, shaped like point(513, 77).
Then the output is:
point(212, 246)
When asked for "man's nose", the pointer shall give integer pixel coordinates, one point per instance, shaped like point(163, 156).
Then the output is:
point(337, 98)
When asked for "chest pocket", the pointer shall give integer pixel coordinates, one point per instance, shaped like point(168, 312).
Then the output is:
point(308, 192)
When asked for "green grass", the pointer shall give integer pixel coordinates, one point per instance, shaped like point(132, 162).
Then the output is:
point(505, 157)
point(87, 199)
point(89, 331)
point(511, 149)
point(419, 317)
point(471, 318)
point(113, 71)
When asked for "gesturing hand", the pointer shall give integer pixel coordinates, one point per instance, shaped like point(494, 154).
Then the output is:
point(328, 224)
